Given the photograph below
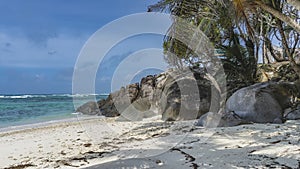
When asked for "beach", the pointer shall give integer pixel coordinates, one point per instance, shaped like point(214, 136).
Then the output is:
point(142, 84)
point(100, 142)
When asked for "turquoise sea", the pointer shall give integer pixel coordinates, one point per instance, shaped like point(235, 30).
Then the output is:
point(18, 110)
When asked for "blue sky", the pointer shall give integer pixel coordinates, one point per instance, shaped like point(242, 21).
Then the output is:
point(40, 42)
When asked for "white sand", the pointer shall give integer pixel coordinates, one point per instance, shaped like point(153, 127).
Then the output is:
point(150, 144)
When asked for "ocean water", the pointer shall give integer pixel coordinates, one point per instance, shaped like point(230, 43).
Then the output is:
point(16, 110)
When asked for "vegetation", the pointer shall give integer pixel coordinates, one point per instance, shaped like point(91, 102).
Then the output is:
point(244, 32)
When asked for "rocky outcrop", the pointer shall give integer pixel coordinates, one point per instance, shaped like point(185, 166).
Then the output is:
point(263, 102)
point(259, 103)
point(118, 101)
point(176, 95)
point(89, 108)
point(188, 95)
point(292, 113)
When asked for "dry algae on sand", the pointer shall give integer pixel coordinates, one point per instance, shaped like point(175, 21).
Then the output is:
point(154, 144)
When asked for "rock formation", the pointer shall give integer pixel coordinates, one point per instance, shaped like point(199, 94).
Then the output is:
point(188, 94)
point(259, 103)
point(176, 94)
point(89, 108)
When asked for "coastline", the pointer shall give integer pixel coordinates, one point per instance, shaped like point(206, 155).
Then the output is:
point(36, 125)
point(109, 143)
point(28, 109)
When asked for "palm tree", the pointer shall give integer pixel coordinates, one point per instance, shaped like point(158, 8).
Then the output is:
point(221, 26)
point(242, 5)
point(279, 14)
point(274, 7)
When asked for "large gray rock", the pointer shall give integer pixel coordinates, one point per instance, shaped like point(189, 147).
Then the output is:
point(118, 101)
point(292, 114)
point(259, 103)
point(89, 108)
point(144, 100)
point(186, 98)
point(107, 107)
point(263, 102)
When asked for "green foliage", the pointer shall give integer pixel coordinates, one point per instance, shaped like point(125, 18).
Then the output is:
point(242, 29)
point(216, 20)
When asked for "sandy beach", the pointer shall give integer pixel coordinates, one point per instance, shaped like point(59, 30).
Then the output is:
point(151, 143)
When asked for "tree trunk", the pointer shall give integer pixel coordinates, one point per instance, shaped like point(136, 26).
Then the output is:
point(276, 56)
point(279, 15)
point(295, 67)
point(264, 53)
